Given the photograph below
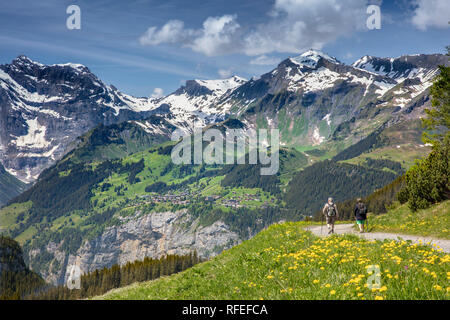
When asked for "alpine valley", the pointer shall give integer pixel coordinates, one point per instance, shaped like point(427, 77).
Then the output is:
point(86, 176)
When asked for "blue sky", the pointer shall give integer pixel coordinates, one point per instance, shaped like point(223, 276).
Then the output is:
point(140, 45)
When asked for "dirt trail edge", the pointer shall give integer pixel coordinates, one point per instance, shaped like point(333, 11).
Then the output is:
point(348, 229)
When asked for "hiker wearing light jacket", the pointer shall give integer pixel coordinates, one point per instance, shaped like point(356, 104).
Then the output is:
point(360, 214)
point(331, 214)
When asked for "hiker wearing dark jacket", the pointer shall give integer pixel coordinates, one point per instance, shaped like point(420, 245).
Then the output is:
point(360, 214)
point(331, 214)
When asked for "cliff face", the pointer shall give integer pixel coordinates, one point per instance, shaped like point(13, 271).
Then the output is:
point(152, 235)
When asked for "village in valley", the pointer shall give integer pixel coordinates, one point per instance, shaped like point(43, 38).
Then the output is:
point(186, 197)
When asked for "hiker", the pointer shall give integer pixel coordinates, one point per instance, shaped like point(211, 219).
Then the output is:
point(360, 214)
point(331, 213)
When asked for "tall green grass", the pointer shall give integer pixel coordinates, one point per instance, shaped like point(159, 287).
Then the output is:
point(434, 221)
point(286, 262)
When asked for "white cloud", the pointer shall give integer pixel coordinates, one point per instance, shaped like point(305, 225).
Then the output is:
point(431, 13)
point(291, 26)
point(225, 73)
point(157, 93)
point(297, 25)
point(172, 32)
point(214, 38)
point(264, 60)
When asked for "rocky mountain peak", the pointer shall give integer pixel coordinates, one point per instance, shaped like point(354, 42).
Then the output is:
point(421, 66)
point(199, 87)
point(311, 58)
point(24, 60)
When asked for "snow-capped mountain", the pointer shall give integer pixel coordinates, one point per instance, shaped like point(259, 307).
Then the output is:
point(311, 58)
point(422, 66)
point(44, 108)
point(195, 103)
point(312, 71)
point(311, 98)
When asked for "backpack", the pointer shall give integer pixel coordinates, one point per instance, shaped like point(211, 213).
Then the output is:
point(331, 210)
point(362, 210)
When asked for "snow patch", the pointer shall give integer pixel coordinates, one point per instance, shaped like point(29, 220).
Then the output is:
point(310, 58)
point(35, 137)
point(319, 79)
point(327, 119)
point(317, 138)
point(222, 85)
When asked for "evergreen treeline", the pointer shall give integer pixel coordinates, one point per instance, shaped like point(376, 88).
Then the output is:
point(14, 285)
point(385, 163)
point(425, 183)
point(249, 176)
point(133, 169)
point(54, 194)
point(309, 189)
point(16, 279)
point(100, 281)
point(428, 182)
point(10, 186)
point(378, 202)
point(372, 141)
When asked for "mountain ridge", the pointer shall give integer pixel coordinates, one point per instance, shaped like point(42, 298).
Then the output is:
point(47, 98)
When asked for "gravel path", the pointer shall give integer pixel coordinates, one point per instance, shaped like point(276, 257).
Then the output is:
point(348, 228)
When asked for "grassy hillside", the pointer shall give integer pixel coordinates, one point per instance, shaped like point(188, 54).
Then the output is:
point(118, 140)
point(285, 262)
point(401, 143)
point(76, 200)
point(118, 171)
point(434, 221)
point(10, 186)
